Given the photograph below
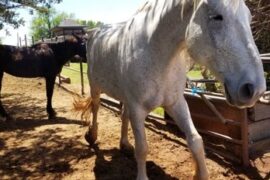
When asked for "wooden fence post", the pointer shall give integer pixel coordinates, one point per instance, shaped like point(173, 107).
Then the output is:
point(82, 81)
point(25, 40)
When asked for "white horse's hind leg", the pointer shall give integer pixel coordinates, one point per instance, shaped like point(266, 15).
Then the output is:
point(124, 143)
point(137, 117)
point(91, 134)
point(180, 113)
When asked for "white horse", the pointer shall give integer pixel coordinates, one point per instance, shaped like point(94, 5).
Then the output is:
point(141, 62)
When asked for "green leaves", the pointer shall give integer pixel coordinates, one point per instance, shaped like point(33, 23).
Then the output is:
point(90, 24)
point(42, 23)
point(9, 16)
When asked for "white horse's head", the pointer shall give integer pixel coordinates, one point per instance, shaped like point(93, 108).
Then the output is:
point(219, 36)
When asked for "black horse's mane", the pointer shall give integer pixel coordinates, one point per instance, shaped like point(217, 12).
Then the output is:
point(57, 49)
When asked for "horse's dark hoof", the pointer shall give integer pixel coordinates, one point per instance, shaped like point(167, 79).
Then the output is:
point(90, 139)
point(3, 118)
point(6, 118)
point(10, 118)
point(52, 116)
point(128, 150)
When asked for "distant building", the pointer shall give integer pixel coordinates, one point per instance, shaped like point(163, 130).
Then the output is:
point(68, 27)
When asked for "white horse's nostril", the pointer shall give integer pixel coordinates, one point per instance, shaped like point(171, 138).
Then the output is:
point(246, 92)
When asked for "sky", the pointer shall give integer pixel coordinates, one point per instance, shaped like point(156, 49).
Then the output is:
point(107, 11)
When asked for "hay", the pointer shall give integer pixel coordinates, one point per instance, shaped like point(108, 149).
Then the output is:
point(260, 10)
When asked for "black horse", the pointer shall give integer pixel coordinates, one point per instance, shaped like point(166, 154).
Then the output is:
point(40, 60)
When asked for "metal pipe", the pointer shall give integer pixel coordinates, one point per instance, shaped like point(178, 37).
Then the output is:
point(213, 108)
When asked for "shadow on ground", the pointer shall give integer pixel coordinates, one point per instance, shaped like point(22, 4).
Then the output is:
point(32, 152)
point(123, 166)
point(28, 148)
point(251, 172)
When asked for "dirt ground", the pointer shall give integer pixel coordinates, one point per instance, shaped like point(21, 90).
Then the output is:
point(32, 147)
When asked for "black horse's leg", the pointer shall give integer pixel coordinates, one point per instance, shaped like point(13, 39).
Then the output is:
point(49, 89)
point(3, 112)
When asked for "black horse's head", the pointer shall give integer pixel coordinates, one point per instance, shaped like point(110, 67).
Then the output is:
point(76, 46)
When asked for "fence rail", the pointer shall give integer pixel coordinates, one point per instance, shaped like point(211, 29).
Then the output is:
point(81, 75)
point(75, 70)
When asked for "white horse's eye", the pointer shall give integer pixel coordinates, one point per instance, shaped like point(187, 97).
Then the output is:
point(216, 17)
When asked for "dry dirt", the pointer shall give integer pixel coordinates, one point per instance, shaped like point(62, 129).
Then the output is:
point(32, 147)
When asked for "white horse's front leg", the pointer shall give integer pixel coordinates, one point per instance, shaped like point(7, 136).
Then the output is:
point(137, 117)
point(180, 113)
point(124, 142)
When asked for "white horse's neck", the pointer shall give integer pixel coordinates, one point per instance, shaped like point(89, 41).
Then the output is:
point(165, 23)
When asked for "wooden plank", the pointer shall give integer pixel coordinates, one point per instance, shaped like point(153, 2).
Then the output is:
point(227, 148)
point(225, 154)
point(259, 130)
point(260, 147)
point(245, 138)
point(266, 54)
point(261, 111)
point(204, 118)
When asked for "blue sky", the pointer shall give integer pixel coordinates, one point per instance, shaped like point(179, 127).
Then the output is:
point(108, 11)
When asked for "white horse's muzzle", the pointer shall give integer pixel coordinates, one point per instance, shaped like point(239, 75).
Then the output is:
point(244, 94)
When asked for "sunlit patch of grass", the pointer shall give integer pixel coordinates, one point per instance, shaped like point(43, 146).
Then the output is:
point(194, 74)
point(76, 79)
point(159, 111)
point(73, 75)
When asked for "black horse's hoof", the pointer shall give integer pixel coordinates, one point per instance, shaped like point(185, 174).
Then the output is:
point(90, 139)
point(52, 115)
point(3, 118)
point(6, 118)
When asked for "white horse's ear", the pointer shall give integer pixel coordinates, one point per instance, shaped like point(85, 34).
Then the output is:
point(85, 36)
point(196, 3)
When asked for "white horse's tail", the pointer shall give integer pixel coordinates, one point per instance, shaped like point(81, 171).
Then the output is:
point(83, 106)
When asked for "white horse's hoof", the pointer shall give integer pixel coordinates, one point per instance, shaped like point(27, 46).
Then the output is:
point(142, 178)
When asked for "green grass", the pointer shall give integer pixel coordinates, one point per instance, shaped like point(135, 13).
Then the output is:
point(191, 74)
point(159, 111)
point(75, 76)
point(194, 74)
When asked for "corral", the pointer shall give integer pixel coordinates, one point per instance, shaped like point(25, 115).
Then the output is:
point(239, 134)
point(236, 134)
point(32, 147)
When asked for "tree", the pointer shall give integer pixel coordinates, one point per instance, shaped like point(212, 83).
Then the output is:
point(9, 16)
point(42, 24)
point(90, 24)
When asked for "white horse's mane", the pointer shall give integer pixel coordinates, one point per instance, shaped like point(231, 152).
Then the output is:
point(228, 4)
point(232, 5)
point(147, 5)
